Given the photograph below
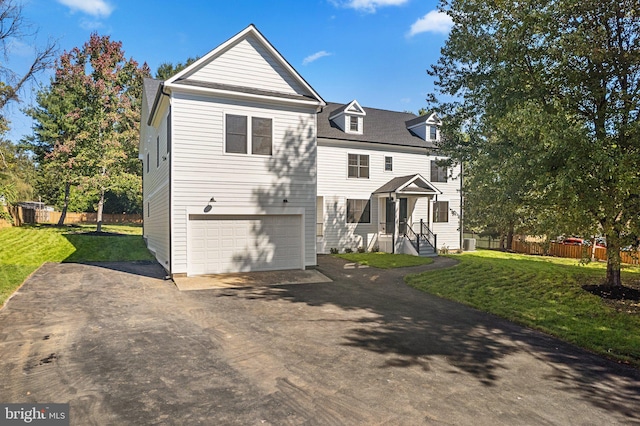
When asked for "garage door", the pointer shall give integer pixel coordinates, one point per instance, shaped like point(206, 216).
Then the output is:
point(219, 244)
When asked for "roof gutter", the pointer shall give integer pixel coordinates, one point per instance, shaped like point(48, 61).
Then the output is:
point(156, 102)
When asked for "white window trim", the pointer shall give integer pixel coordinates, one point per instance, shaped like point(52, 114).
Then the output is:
point(385, 164)
point(347, 127)
point(249, 134)
point(369, 166)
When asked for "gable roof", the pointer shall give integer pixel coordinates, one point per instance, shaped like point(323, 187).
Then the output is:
point(293, 86)
point(380, 126)
point(414, 184)
point(431, 118)
point(352, 107)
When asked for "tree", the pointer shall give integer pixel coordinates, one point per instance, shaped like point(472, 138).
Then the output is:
point(167, 70)
point(87, 121)
point(16, 173)
point(54, 143)
point(15, 167)
point(549, 90)
point(13, 28)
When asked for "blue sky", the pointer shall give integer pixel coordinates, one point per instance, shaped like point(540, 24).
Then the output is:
point(375, 51)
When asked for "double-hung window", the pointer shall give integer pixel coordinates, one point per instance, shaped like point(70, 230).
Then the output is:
point(261, 136)
point(433, 133)
point(438, 173)
point(441, 211)
point(353, 124)
point(358, 211)
point(236, 137)
point(388, 164)
point(239, 129)
point(358, 166)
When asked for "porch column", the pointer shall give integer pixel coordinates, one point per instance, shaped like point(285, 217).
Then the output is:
point(429, 212)
point(396, 222)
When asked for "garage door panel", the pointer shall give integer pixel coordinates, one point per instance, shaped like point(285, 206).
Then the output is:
point(244, 243)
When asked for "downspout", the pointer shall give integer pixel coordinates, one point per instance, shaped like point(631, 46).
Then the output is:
point(461, 206)
point(170, 156)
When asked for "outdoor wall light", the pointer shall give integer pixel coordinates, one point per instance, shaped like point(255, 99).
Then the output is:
point(285, 201)
point(208, 208)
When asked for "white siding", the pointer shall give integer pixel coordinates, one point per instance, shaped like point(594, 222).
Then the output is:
point(248, 64)
point(244, 183)
point(155, 188)
point(336, 188)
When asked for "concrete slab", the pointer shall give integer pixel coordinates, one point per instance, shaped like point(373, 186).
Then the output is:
point(250, 279)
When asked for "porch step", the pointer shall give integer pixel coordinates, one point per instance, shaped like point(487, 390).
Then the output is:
point(426, 250)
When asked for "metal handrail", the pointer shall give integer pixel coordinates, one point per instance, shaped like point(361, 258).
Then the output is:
point(427, 235)
point(413, 238)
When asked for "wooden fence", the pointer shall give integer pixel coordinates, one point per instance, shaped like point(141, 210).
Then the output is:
point(24, 215)
point(572, 251)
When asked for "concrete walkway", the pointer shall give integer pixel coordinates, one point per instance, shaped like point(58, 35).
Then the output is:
point(123, 346)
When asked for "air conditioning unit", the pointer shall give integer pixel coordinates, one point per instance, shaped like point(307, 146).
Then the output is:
point(469, 244)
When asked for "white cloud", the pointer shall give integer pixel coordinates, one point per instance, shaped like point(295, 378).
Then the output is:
point(315, 57)
point(90, 24)
point(369, 5)
point(98, 8)
point(432, 22)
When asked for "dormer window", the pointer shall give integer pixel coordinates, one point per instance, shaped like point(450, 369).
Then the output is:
point(349, 118)
point(425, 127)
point(433, 131)
point(353, 123)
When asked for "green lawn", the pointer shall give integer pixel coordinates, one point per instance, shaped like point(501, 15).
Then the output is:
point(385, 260)
point(543, 293)
point(23, 249)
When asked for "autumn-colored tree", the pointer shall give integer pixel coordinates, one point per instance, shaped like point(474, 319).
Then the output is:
point(87, 121)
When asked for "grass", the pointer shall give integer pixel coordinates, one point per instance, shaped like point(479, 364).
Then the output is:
point(543, 293)
point(385, 260)
point(24, 249)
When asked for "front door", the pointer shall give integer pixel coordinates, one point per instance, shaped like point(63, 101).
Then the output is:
point(390, 219)
point(403, 216)
point(390, 216)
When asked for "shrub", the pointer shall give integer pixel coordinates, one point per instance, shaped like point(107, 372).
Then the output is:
point(334, 250)
point(361, 250)
point(348, 250)
point(6, 216)
point(375, 249)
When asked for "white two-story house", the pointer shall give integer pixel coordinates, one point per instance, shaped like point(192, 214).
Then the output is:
point(381, 185)
point(246, 168)
point(228, 147)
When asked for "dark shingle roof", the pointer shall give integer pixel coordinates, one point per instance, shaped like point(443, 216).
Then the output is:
point(419, 185)
point(380, 126)
point(151, 87)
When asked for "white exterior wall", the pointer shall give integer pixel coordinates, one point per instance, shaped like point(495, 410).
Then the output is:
point(155, 189)
point(241, 183)
point(335, 188)
point(248, 64)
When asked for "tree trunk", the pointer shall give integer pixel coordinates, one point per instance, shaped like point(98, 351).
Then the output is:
point(99, 216)
point(510, 239)
point(65, 205)
point(613, 262)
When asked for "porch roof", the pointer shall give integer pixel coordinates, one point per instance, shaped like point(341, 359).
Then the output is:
point(414, 185)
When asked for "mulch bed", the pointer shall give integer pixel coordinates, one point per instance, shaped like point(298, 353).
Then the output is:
point(101, 234)
point(625, 298)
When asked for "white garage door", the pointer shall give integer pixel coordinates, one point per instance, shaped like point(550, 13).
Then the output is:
point(219, 244)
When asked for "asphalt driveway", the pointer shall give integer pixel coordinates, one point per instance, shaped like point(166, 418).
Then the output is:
point(124, 346)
